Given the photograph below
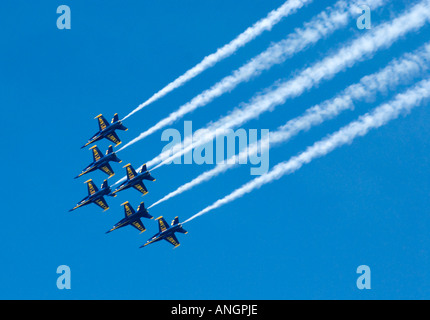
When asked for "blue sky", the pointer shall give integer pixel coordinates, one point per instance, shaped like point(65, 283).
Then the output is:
point(301, 237)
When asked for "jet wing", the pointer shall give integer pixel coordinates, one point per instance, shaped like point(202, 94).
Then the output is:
point(131, 173)
point(114, 138)
point(173, 240)
point(141, 188)
point(138, 225)
point(107, 169)
point(101, 202)
point(91, 187)
point(162, 224)
point(103, 124)
point(97, 155)
point(128, 209)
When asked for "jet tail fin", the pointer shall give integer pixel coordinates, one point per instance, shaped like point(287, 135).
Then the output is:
point(143, 211)
point(105, 184)
point(147, 177)
point(115, 118)
point(109, 150)
point(144, 168)
point(175, 222)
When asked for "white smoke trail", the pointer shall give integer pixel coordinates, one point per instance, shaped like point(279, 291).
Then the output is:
point(378, 117)
point(396, 72)
point(265, 24)
point(324, 24)
point(360, 49)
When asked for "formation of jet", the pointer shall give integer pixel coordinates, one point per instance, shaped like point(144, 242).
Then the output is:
point(167, 232)
point(135, 180)
point(132, 217)
point(95, 195)
point(107, 130)
point(101, 162)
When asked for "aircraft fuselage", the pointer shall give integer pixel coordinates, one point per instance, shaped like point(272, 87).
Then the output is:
point(101, 162)
point(93, 197)
point(126, 221)
point(110, 129)
point(139, 178)
point(164, 234)
point(105, 132)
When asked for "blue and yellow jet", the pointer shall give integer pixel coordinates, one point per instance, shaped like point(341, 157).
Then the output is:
point(133, 218)
point(95, 195)
point(101, 162)
point(135, 179)
point(107, 130)
point(167, 232)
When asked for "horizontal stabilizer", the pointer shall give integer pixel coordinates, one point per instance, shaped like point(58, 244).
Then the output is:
point(182, 230)
point(149, 177)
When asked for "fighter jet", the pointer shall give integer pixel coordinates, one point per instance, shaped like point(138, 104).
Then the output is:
point(135, 180)
point(95, 195)
point(133, 218)
point(101, 162)
point(107, 130)
point(167, 233)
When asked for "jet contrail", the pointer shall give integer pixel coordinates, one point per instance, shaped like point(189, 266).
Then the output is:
point(362, 48)
point(324, 24)
point(378, 117)
point(265, 24)
point(395, 73)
